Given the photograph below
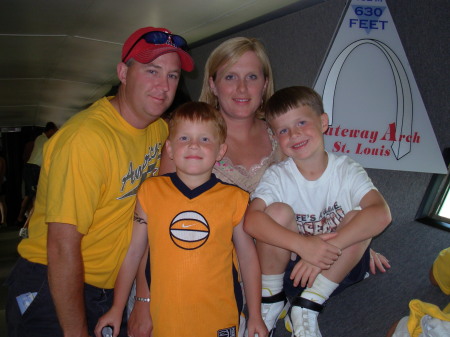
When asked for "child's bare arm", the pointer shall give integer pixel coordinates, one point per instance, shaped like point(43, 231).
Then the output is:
point(140, 322)
point(370, 221)
point(251, 276)
point(315, 249)
point(126, 274)
point(304, 273)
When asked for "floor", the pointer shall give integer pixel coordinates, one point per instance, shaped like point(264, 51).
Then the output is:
point(369, 309)
point(9, 238)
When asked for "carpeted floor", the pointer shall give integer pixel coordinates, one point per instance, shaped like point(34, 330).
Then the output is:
point(369, 308)
point(9, 238)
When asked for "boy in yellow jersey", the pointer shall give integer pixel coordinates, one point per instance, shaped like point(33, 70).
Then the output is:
point(192, 221)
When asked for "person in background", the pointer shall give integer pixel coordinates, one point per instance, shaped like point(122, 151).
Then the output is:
point(91, 170)
point(32, 169)
point(195, 258)
point(3, 208)
point(322, 207)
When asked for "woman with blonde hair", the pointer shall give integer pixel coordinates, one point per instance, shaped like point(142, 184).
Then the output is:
point(238, 81)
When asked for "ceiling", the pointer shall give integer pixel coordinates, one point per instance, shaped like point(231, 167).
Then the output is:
point(58, 56)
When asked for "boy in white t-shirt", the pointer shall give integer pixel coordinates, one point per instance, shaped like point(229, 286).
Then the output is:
point(320, 206)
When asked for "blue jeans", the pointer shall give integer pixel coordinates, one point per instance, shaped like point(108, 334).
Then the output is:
point(39, 319)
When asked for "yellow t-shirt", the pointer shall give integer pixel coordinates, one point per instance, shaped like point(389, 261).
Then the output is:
point(36, 154)
point(441, 270)
point(90, 174)
point(418, 309)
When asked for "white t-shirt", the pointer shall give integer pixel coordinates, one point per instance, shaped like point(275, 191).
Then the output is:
point(319, 205)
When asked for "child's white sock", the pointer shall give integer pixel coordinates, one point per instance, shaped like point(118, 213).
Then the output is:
point(272, 284)
point(321, 290)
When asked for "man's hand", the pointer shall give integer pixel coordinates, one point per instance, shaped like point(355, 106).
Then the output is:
point(112, 318)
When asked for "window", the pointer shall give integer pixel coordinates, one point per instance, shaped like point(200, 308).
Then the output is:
point(435, 207)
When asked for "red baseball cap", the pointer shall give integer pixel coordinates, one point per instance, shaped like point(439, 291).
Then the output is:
point(136, 47)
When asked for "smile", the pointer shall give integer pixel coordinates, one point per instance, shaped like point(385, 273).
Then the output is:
point(159, 99)
point(299, 145)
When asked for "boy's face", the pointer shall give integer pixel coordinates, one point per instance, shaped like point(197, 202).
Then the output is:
point(300, 133)
point(194, 148)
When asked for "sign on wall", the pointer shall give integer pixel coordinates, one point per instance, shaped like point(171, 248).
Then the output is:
point(376, 112)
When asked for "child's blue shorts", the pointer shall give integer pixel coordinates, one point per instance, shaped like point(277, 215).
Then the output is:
point(357, 274)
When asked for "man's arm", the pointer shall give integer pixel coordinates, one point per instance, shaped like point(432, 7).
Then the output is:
point(66, 277)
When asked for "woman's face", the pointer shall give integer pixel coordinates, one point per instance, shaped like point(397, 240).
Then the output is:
point(239, 88)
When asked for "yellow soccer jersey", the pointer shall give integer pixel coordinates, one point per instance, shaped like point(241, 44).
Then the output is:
point(91, 170)
point(191, 249)
point(441, 270)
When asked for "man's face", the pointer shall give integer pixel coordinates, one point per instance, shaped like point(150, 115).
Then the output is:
point(149, 88)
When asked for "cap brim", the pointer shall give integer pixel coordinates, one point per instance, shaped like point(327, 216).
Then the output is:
point(148, 55)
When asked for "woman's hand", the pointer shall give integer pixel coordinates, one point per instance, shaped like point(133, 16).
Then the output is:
point(378, 261)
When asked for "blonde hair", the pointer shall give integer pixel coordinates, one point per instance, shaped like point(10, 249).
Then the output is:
point(227, 54)
point(199, 112)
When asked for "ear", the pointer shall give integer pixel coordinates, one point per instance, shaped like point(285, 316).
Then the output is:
point(324, 120)
point(122, 70)
point(168, 148)
point(265, 85)
point(212, 85)
point(222, 150)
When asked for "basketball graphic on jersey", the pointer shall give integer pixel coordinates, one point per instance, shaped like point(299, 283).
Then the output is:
point(189, 230)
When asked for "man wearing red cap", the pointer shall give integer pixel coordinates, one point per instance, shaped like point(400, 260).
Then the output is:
point(91, 170)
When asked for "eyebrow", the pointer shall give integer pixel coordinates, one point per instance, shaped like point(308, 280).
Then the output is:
point(157, 66)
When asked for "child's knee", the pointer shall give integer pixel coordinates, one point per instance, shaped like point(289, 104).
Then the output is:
point(282, 214)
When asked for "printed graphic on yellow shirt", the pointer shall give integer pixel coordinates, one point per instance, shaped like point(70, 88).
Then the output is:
point(148, 168)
